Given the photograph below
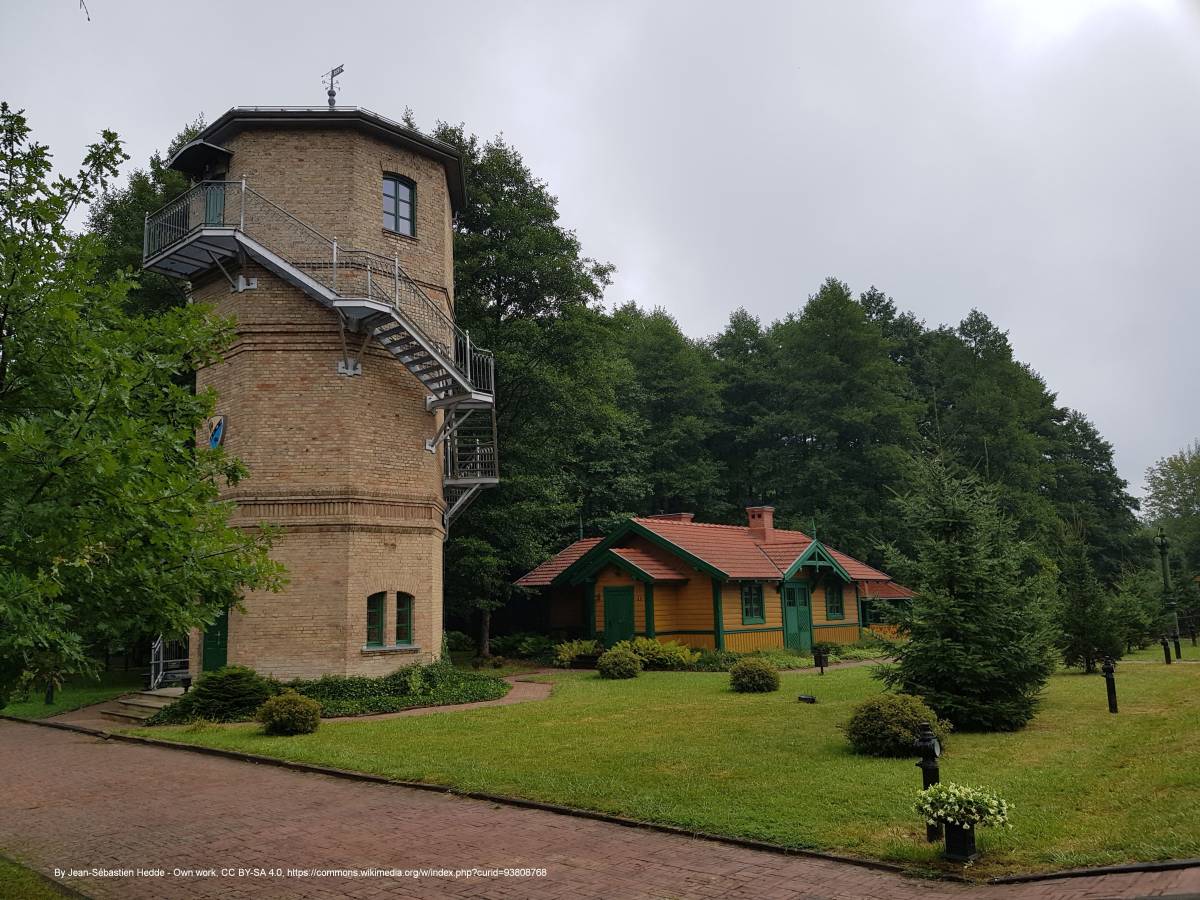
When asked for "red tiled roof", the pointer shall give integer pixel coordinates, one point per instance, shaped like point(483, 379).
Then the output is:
point(887, 590)
point(858, 571)
point(730, 548)
point(652, 566)
point(545, 573)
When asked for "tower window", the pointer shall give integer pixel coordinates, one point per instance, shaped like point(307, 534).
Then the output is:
point(404, 612)
point(375, 604)
point(399, 205)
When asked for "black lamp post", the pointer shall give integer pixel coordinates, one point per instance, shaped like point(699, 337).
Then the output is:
point(1109, 668)
point(929, 748)
point(1163, 544)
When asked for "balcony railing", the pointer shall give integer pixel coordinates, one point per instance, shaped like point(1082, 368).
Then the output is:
point(346, 272)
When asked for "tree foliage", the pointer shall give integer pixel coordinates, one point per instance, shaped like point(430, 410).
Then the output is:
point(109, 525)
point(1091, 627)
point(980, 643)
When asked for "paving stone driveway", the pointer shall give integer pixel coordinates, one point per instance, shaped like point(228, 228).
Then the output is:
point(71, 801)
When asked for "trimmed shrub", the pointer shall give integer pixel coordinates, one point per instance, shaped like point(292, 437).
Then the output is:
point(888, 725)
point(672, 656)
point(619, 662)
point(716, 661)
point(437, 684)
point(230, 694)
point(289, 713)
point(568, 651)
point(459, 642)
point(753, 676)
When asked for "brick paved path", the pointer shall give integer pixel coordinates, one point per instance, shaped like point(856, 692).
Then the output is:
point(73, 801)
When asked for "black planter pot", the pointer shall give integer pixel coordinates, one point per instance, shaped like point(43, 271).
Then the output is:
point(960, 843)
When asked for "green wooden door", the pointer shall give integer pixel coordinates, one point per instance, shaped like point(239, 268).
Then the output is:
point(216, 643)
point(797, 617)
point(618, 614)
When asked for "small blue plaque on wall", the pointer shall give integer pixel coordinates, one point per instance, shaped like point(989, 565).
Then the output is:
point(216, 431)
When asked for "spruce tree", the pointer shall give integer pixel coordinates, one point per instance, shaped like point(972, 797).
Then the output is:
point(980, 648)
point(1090, 628)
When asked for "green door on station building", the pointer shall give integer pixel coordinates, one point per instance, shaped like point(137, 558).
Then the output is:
point(797, 617)
point(216, 643)
point(618, 614)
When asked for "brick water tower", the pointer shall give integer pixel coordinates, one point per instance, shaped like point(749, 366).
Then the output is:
point(364, 414)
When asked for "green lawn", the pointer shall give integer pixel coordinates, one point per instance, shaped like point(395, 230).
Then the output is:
point(73, 695)
point(1087, 788)
point(1154, 653)
point(18, 881)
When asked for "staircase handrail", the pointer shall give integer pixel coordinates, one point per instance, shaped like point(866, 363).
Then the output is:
point(175, 217)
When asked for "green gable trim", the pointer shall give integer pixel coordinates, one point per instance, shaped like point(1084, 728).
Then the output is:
point(578, 570)
point(718, 616)
point(649, 610)
point(608, 558)
point(816, 557)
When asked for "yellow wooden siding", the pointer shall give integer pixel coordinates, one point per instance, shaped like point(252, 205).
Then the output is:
point(612, 577)
point(891, 632)
point(731, 606)
point(754, 640)
point(836, 634)
point(849, 605)
point(684, 607)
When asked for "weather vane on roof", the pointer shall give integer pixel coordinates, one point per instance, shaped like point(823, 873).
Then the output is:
point(330, 76)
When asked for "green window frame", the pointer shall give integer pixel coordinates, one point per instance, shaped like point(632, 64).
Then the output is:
point(375, 604)
point(400, 205)
point(404, 616)
point(753, 608)
point(835, 603)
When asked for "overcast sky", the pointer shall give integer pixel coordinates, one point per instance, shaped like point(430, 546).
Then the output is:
point(1033, 158)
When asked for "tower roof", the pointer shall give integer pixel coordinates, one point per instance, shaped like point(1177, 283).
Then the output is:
point(241, 118)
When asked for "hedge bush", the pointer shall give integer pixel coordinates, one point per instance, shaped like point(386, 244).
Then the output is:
point(568, 651)
point(753, 676)
point(523, 645)
point(671, 656)
point(888, 725)
point(432, 685)
point(459, 641)
point(619, 662)
point(230, 694)
point(289, 713)
point(236, 696)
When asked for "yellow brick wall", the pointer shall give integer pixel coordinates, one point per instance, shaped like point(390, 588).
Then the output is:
point(338, 463)
point(333, 181)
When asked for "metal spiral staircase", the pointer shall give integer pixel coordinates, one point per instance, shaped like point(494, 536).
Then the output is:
point(216, 224)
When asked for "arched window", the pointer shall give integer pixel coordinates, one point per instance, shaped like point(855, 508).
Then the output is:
point(404, 617)
point(375, 604)
point(399, 205)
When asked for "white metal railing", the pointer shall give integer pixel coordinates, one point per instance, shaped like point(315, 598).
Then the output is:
point(345, 271)
point(165, 657)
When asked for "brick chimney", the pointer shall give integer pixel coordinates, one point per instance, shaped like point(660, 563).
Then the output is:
point(674, 517)
point(762, 523)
